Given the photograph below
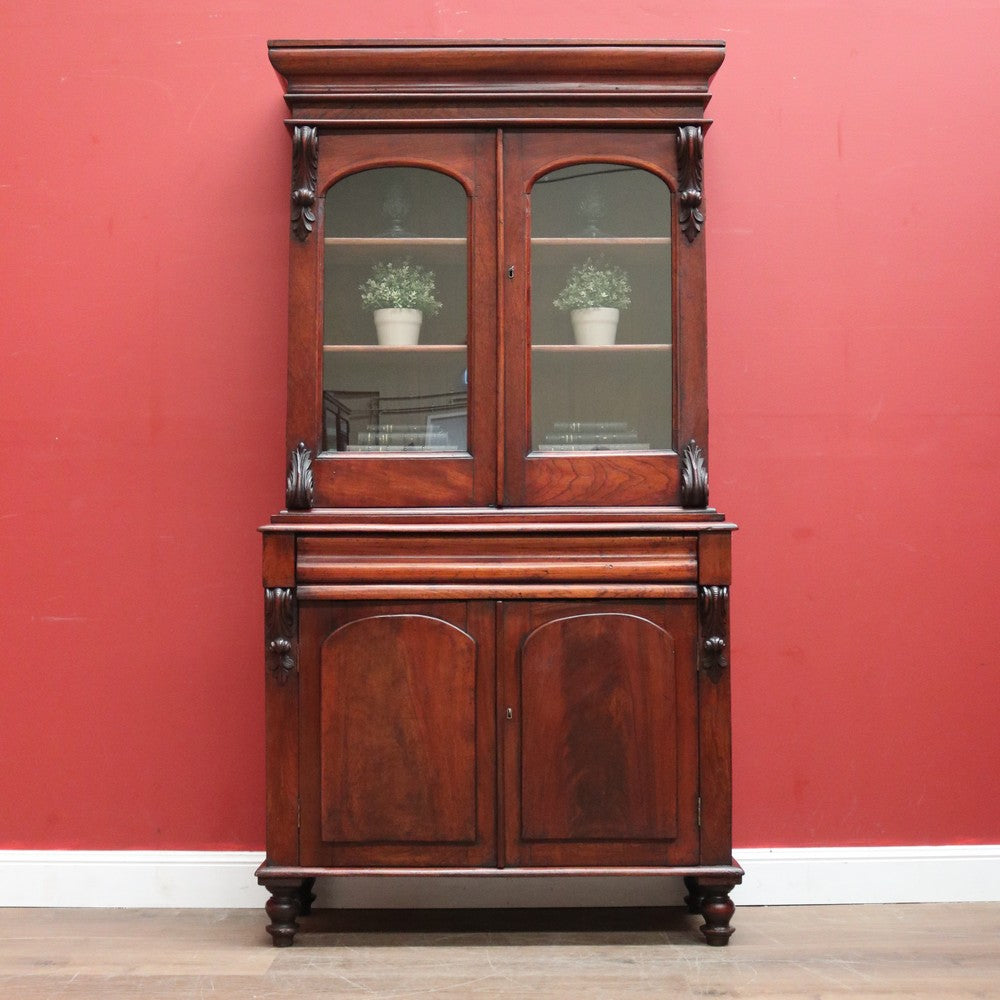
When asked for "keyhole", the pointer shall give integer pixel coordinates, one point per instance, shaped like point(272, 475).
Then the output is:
point(510, 713)
point(510, 271)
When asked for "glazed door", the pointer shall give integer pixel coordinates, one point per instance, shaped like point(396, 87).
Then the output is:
point(397, 755)
point(600, 733)
point(595, 326)
point(392, 321)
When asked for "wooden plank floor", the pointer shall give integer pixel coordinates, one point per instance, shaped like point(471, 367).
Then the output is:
point(779, 953)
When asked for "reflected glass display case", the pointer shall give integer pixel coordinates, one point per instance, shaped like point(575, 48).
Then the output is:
point(497, 600)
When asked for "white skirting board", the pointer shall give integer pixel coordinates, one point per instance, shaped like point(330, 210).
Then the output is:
point(774, 876)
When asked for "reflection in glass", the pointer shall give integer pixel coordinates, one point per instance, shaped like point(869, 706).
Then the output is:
point(601, 311)
point(395, 366)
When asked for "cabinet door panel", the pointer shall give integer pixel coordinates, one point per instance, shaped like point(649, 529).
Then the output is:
point(591, 229)
point(403, 219)
point(401, 769)
point(596, 696)
point(398, 731)
point(600, 762)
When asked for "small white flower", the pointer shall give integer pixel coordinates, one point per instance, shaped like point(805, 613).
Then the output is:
point(400, 285)
point(595, 284)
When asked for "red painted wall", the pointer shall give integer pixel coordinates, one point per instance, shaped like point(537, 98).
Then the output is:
point(853, 214)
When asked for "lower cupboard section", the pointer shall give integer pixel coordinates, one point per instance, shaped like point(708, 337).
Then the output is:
point(497, 734)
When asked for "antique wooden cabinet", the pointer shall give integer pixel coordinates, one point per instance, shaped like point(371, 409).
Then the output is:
point(497, 602)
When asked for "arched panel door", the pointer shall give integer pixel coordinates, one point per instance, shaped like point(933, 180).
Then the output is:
point(599, 323)
point(399, 775)
point(392, 321)
point(601, 762)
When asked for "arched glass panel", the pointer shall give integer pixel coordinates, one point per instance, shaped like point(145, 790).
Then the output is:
point(601, 311)
point(395, 365)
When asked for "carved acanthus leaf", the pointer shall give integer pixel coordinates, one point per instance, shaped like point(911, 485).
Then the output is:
point(694, 476)
point(299, 484)
point(689, 153)
point(714, 621)
point(305, 153)
point(279, 632)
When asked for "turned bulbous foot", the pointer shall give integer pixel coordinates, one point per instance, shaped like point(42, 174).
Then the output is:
point(717, 910)
point(282, 910)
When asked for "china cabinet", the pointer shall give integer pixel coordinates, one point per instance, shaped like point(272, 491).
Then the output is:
point(497, 600)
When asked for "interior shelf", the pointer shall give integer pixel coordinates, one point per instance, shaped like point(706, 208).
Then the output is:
point(387, 349)
point(600, 348)
point(600, 241)
point(394, 241)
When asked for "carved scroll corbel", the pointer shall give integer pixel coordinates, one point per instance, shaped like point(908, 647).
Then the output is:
point(299, 484)
point(279, 632)
point(305, 155)
point(713, 607)
point(694, 476)
point(689, 152)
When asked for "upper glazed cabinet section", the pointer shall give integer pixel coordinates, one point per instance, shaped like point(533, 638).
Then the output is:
point(497, 290)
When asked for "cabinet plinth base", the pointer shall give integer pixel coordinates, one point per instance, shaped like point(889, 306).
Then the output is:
point(292, 895)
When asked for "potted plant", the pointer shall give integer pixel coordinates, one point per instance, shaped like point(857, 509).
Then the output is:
point(594, 295)
point(399, 293)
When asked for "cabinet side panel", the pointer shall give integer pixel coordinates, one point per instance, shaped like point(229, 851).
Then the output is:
point(716, 773)
point(716, 769)
point(281, 710)
point(398, 718)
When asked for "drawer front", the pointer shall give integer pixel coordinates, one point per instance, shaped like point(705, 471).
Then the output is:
point(508, 558)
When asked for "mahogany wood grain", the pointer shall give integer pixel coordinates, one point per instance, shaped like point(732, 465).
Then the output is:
point(343, 479)
point(279, 560)
point(353, 480)
point(600, 747)
point(731, 871)
point(398, 732)
point(516, 305)
point(492, 80)
point(691, 365)
point(304, 405)
point(714, 558)
point(598, 728)
point(492, 519)
point(281, 754)
point(432, 593)
point(572, 480)
point(715, 769)
point(434, 559)
point(613, 542)
point(600, 479)
point(398, 743)
point(495, 591)
point(478, 569)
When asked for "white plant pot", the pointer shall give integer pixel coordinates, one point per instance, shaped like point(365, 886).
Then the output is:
point(594, 327)
point(398, 327)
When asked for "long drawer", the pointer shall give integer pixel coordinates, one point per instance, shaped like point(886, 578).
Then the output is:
point(508, 557)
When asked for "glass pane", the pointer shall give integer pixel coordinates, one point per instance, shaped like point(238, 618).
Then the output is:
point(601, 312)
point(395, 367)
